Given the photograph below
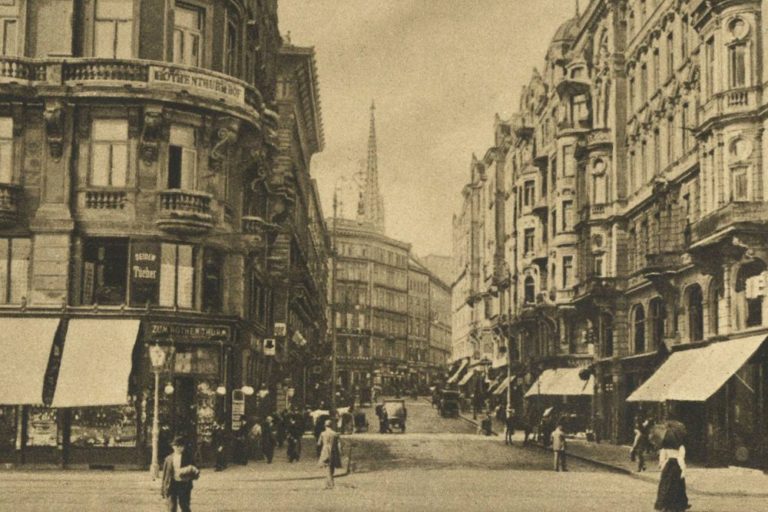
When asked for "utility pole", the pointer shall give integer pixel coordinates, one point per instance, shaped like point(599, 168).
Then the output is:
point(333, 300)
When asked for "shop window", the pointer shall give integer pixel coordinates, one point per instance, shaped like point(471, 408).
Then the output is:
point(182, 158)
point(750, 293)
point(213, 265)
point(9, 36)
point(42, 427)
point(105, 271)
point(658, 312)
point(113, 33)
point(232, 54)
point(109, 153)
point(6, 150)
point(638, 325)
point(177, 275)
point(695, 305)
point(188, 24)
point(529, 290)
point(104, 427)
point(7, 429)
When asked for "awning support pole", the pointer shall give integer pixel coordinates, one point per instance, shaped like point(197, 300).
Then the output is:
point(154, 467)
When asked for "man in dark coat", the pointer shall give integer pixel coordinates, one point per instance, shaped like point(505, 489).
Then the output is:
point(178, 473)
point(268, 439)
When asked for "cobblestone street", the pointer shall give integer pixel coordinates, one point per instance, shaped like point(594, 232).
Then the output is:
point(421, 470)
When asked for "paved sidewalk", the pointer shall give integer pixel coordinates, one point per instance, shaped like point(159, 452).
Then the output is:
point(728, 481)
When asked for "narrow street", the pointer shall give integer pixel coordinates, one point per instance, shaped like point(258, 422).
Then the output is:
point(440, 464)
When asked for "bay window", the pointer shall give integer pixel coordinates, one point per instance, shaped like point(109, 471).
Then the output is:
point(109, 153)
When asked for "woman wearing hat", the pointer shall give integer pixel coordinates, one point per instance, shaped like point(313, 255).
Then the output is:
point(178, 473)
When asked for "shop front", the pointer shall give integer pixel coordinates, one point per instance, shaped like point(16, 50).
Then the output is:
point(719, 391)
point(561, 394)
point(88, 398)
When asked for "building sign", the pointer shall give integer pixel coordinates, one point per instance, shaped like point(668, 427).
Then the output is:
point(280, 329)
point(184, 332)
point(144, 272)
point(238, 409)
point(269, 347)
point(198, 82)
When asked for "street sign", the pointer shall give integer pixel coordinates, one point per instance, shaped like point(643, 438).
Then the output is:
point(269, 347)
point(280, 329)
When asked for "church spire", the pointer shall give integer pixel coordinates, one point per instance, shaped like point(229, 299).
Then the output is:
point(371, 207)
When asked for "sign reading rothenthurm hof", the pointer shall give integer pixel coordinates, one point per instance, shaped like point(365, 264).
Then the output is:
point(144, 271)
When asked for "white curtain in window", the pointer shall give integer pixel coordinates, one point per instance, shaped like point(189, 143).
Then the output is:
point(109, 155)
point(186, 283)
point(167, 275)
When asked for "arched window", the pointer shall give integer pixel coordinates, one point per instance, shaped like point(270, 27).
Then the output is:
point(695, 304)
point(737, 53)
point(750, 294)
point(715, 302)
point(658, 312)
point(638, 325)
point(529, 290)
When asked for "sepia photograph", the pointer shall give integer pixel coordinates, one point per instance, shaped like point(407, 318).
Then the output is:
point(373, 255)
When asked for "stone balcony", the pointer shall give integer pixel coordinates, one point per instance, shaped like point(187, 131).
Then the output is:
point(184, 212)
point(732, 101)
point(85, 77)
point(596, 286)
point(731, 218)
point(10, 198)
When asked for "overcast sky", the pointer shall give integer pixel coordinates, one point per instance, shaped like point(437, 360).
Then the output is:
point(438, 70)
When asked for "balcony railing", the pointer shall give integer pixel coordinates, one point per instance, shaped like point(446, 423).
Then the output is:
point(105, 199)
point(184, 212)
point(156, 76)
point(9, 203)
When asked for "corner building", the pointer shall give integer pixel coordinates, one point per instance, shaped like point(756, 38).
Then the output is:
point(634, 241)
point(146, 202)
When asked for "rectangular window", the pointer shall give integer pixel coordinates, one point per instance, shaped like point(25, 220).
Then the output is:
point(656, 69)
point(670, 54)
point(598, 266)
point(644, 83)
point(232, 54)
point(105, 271)
point(739, 184)
point(182, 158)
point(709, 56)
point(737, 65)
point(113, 32)
point(632, 170)
point(14, 269)
point(684, 38)
point(553, 174)
point(528, 241)
point(656, 153)
point(632, 105)
point(529, 193)
point(188, 35)
point(567, 215)
point(9, 27)
point(6, 150)
point(213, 286)
point(109, 153)
point(569, 163)
point(643, 163)
point(670, 140)
point(177, 275)
point(554, 223)
point(567, 270)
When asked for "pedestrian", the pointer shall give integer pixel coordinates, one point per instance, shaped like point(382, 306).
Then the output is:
point(330, 452)
point(385, 428)
point(254, 437)
point(268, 439)
point(293, 439)
point(280, 423)
point(178, 473)
point(558, 447)
point(640, 444)
point(220, 445)
point(671, 495)
point(486, 425)
point(509, 425)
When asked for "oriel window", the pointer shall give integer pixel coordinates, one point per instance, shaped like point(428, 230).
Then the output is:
point(182, 158)
point(109, 153)
point(14, 269)
point(188, 35)
point(177, 276)
point(113, 29)
point(6, 150)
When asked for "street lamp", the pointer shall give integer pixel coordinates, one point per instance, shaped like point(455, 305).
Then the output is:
point(157, 357)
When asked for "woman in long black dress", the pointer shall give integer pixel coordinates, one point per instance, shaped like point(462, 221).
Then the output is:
point(671, 496)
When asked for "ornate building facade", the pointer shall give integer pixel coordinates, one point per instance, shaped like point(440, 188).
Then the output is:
point(157, 215)
point(632, 181)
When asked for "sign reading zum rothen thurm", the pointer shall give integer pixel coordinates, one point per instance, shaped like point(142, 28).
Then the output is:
point(199, 82)
point(184, 332)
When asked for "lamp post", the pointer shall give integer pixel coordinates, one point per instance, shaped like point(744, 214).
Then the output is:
point(157, 357)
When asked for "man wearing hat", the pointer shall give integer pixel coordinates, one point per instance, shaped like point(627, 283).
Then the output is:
point(178, 474)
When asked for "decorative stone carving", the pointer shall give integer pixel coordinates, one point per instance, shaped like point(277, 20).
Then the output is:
point(154, 129)
point(225, 133)
point(54, 128)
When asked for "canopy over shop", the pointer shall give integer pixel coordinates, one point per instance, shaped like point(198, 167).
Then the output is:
point(457, 373)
